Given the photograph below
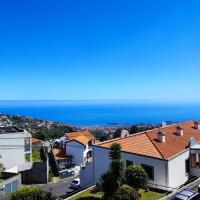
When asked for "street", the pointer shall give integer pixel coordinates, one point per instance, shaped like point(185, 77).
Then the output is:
point(59, 189)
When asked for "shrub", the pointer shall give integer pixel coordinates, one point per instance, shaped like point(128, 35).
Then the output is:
point(136, 177)
point(124, 193)
point(98, 187)
point(31, 193)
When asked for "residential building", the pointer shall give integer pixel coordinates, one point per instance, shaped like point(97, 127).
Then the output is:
point(9, 182)
point(75, 148)
point(15, 149)
point(79, 145)
point(170, 155)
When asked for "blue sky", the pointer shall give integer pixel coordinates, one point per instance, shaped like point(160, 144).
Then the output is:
point(98, 49)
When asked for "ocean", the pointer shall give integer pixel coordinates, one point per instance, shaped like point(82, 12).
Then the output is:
point(102, 113)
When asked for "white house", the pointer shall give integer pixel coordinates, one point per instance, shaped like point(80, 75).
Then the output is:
point(77, 147)
point(170, 155)
point(15, 149)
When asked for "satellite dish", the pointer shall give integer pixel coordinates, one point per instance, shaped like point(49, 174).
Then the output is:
point(164, 124)
point(124, 133)
point(192, 141)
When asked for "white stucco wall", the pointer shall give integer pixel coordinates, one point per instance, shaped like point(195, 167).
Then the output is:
point(176, 170)
point(12, 149)
point(102, 161)
point(77, 151)
point(86, 175)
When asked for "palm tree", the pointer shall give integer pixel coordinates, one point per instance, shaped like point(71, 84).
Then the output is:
point(115, 151)
point(112, 179)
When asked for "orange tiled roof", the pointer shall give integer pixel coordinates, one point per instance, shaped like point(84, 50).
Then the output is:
point(82, 139)
point(85, 133)
point(35, 140)
point(145, 143)
point(138, 143)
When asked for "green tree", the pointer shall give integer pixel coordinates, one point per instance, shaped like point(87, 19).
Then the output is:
point(39, 135)
point(117, 133)
point(136, 177)
point(115, 152)
point(136, 128)
point(31, 193)
point(1, 168)
point(112, 179)
point(125, 193)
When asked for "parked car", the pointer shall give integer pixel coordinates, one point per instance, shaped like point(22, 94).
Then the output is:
point(187, 194)
point(75, 184)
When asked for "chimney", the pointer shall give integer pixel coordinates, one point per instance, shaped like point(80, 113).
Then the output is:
point(196, 125)
point(179, 131)
point(124, 133)
point(161, 136)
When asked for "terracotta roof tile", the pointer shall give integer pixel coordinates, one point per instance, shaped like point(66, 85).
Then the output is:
point(146, 143)
point(138, 143)
point(35, 140)
point(82, 139)
point(85, 133)
point(174, 143)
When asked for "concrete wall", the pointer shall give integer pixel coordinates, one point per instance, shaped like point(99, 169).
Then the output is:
point(167, 174)
point(102, 162)
point(77, 150)
point(10, 184)
point(12, 149)
point(86, 175)
point(176, 170)
point(38, 174)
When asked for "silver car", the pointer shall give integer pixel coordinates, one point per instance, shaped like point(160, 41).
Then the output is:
point(75, 184)
point(187, 194)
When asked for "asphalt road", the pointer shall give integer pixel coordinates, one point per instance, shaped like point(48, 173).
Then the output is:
point(59, 189)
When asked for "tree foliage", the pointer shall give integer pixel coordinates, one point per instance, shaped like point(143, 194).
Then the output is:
point(125, 193)
point(112, 179)
point(31, 193)
point(115, 151)
point(136, 177)
point(117, 133)
point(1, 168)
point(100, 135)
point(136, 128)
point(53, 132)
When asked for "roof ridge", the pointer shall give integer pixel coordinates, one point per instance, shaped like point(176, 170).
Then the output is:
point(122, 138)
point(143, 132)
point(155, 146)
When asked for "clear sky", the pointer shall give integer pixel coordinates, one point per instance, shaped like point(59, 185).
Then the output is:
point(100, 49)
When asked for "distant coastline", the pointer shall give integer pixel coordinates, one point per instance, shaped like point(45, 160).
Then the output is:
point(102, 113)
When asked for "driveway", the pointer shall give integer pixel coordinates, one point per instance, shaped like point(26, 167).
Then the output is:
point(59, 189)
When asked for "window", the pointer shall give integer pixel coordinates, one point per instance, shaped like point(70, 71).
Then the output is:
point(27, 144)
point(187, 166)
point(128, 163)
point(149, 170)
